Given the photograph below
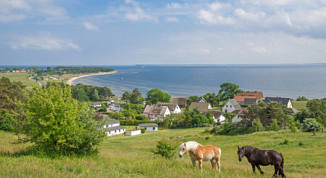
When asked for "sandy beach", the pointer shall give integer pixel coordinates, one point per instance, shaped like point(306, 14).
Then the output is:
point(70, 81)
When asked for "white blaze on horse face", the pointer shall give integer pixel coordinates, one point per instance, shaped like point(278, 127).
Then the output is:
point(183, 150)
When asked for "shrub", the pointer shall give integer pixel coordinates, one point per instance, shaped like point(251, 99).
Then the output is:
point(165, 148)
point(285, 142)
point(143, 130)
point(257, 125)
point(300, 143)
point(58, 124)
point(274, 126)
point(6, 121)
point(310, 124)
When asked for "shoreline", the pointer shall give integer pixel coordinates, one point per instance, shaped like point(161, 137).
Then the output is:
point(71, 80)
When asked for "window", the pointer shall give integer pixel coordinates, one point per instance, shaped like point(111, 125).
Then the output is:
point(153, 128)
point(230, 106)
point(226, 106)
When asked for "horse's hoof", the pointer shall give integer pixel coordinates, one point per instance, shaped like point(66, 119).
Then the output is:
point(262, 173)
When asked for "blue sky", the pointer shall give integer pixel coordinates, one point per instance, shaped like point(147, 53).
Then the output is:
point(126, 32)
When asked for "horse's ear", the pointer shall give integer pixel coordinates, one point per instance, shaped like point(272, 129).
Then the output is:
point(184, 144)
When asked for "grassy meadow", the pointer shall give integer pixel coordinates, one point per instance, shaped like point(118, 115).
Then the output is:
point(300, 105)
point(123, 156)
point(19, 76)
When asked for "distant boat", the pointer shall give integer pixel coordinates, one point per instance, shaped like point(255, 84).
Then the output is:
point(121, 78)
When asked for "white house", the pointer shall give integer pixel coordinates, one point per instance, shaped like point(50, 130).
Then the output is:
point(112, 127)
point(218, 116)
point(149, 127)
point(231, 105)
point(285, 101)
point(155, 112)
point(174, 108)
point(132, 133)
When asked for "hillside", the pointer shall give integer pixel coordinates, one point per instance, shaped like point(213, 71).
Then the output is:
point(122, 156)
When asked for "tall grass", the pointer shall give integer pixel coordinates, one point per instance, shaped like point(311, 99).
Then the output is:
point(123, 156)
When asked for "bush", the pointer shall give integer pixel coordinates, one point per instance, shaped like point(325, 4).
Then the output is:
point(6, 121)
point(58, 124)
point(310, 124)
point(257, 125)
point(143, 130)
point(165, 148)
point(285, 142)
point(274, 126)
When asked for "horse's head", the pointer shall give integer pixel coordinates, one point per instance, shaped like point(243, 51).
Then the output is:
point(241, 153)
point(183, 149)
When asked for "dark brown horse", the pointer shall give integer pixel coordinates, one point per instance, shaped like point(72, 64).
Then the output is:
point(258, 157)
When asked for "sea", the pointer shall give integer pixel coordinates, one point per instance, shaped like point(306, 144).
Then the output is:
point(291, 81)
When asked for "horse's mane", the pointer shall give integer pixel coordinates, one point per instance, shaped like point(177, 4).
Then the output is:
point(248, 148)
point(191, 144)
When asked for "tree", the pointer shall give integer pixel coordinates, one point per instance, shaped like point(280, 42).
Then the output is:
point(191, 99)
point(310, 124)
point(157, 95)
point(134, 97)
point(228, 116)
point(228, 91)
point(302, 98)
point(212, 98)
point(95, 96)
point(79, 94)
point(165, 148)
point(56, 122)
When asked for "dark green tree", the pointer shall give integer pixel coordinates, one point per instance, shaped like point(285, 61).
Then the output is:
point(157, 95)
point(228, 91)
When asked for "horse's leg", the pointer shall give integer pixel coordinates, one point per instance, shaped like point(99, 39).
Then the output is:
point(262, 172)
point(213, 164)
point(193, 162)
point(275, 172)
point(253, 167)
point(200, 164)
point(218, 163)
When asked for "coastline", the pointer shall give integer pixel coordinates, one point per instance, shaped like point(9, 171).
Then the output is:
point(71, 80)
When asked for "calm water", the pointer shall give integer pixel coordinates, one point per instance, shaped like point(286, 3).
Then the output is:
point(281, 80)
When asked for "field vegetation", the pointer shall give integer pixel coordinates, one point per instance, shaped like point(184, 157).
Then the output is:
point(123, 156)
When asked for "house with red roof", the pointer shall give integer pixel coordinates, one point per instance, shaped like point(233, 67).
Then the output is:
point(240, 97)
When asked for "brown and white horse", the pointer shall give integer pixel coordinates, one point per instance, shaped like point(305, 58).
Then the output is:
point(202, 153)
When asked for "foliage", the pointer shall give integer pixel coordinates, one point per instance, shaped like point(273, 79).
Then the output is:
point(273, 126)
point(310, 125)
point(57, 123)
point(137, 108)
point(6, 121)
point(87, 92)
point(228, 116)
point(317, 108)
point(192, 98)
point(212, 98)
point(142, 130)
point(231, 129)
point(134, 97)
point(59, 70)
point(157, 95)
point(302, 98)
point(165, 148)
point(266, 112)
point(257, 125)
point(135, 122)
point(228, 91)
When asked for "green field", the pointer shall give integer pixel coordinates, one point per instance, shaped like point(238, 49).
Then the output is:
point(123, 156)
point(300, 105)
point(16, 77)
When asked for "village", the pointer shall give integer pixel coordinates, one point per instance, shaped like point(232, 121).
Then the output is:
point(158, 112)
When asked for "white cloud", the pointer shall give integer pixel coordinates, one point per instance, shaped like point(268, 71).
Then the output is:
point(172, 19)
point(89, 26)
point(208, 17)
point(43, 42)
point(249, 15)
point(173, 5)
point(17, 10)
point(137, 13)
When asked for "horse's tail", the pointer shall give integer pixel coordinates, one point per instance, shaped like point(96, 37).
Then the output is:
point(220, 151)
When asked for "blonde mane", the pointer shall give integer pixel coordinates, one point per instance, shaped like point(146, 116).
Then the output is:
point(191, 145)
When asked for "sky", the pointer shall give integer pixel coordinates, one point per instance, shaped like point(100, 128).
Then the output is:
point(128, 32)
